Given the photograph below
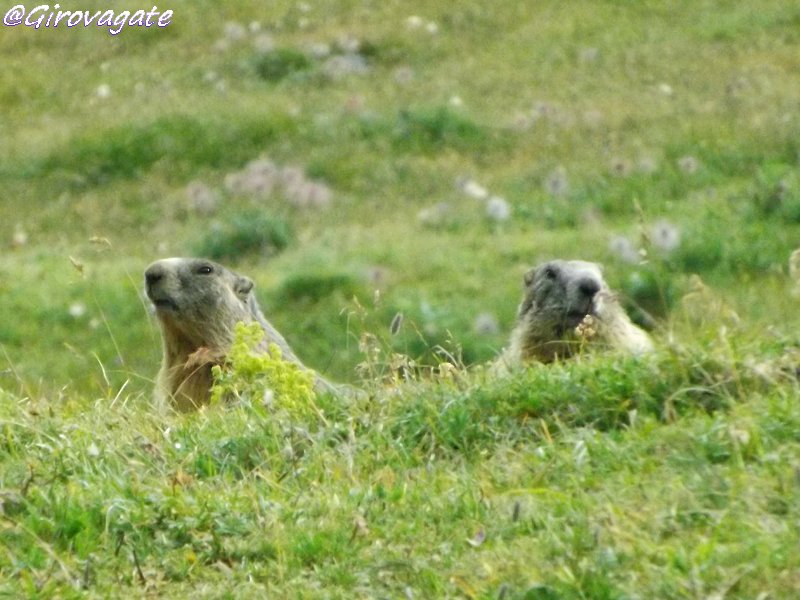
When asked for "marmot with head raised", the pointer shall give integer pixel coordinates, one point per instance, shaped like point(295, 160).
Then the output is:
point(567, 305)
point(198, 302)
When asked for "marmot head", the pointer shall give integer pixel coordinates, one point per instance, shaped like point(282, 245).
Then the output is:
point(198, 298)
point(560, 293)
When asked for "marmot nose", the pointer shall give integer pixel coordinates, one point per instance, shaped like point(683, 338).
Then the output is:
point(153, 275)
point(588, 287)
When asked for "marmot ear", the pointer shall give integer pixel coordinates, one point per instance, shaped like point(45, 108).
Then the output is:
point(243, 285)
point(528, 277)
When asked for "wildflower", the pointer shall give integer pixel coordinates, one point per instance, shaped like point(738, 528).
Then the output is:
point(587, 328)
point(234, 31)
point(456, 101)
point(497, 209)
point(19, 237)
point(201, 198)
point(319, 50)
point(376, 276)
point(349, 44)
point(435, 215)
point(263, 43)
point(624, 249)
point(414, 22)
point(665, 89)
point(688, 164)
point(556, 183)
point(665, 236)
point(404, 75)
point(431, 27)
point(257, 184)
point(486, 324)
point(589, 55)
point(647, 165)
point(291, 175)
point(472, 188)
point(262, 166)
point(543, 110)
point(318, 195)
point(339, 66)
point(620, 167)
point(103, 91)
point(77, 310)
point(254, 26)
point(234, 183)
point(522, 122)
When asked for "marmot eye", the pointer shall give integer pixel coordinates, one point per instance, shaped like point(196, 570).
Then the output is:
point(204, 270)
point(549, 273)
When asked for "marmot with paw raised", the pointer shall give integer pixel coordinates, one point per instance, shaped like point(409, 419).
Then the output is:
point(198, 303)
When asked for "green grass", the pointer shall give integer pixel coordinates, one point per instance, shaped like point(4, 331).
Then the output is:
point(667, 478)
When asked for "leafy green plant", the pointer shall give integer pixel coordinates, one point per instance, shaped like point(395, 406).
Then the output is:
point(250, 232)
point(280, 63)
point(261, 378)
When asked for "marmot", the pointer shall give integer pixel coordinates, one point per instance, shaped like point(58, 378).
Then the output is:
point(198, 302)
point(567, 304)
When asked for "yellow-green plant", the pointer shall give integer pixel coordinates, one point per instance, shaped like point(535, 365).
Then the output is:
point(262, 378)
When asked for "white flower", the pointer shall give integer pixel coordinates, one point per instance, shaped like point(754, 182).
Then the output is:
point(620, 167)
point(201, 198)
point(291, 175)
point(318, 194)
point(19, 237)
point(665, 89)
point(263, 43)
point(431, 27)
point(688, 164)
point(234, 31)
point(263, 166)
point(472, 188)
point(665, 236)
point(414, 22)
point(319, 50)
point(486, 324)
point(77, 310)
point(349, 44)
point(624, 249)
point(404, 75)
point(338, 66)
point(647, 165)
point(456, 101)
point(497, 209)
point(589, 55)
point(435, 215)
point(103, 91)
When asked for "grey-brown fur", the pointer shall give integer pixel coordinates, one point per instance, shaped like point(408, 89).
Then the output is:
point(198, 302)
point(558, 296)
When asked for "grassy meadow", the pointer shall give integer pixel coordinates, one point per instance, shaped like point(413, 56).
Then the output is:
point(362, 160)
